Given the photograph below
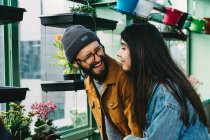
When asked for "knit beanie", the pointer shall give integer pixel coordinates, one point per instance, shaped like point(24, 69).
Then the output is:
point(75, 38)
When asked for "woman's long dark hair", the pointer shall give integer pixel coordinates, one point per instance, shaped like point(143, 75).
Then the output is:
point(151, 62)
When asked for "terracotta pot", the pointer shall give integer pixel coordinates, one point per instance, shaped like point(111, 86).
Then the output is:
point(72, 76)
point(207, 25)
point(126, 5)
point(172, 16)
point(197, 24)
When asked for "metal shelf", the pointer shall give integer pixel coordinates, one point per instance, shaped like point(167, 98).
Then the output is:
point(174, 35)
point(11, 94)
point(65, 20)
point(10, 14)
point(67, 85)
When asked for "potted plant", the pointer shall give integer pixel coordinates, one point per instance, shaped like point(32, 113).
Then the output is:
point(69, 71)
point(78, 118)
point(15, 122)
point(197, 24)
point(83, 9)
point(207, 25)
point(44, 128)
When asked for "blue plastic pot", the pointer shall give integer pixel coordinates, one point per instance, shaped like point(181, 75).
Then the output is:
point(127, 5)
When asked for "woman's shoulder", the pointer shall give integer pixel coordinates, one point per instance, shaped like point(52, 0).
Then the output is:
point(163, 96)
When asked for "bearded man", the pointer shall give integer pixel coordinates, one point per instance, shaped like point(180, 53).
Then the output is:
point(107, 85)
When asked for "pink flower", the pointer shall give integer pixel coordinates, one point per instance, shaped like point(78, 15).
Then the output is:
point(194, 81)
point(43, 109)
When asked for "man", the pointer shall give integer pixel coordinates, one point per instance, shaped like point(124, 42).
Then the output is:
point(107, 86)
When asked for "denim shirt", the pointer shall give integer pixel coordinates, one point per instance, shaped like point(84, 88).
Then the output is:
point(164, 122)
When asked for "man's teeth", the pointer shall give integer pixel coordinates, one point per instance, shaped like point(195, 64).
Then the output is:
point(98, 64)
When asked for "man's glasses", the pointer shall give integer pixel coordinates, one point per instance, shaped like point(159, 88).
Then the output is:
point(90, 58)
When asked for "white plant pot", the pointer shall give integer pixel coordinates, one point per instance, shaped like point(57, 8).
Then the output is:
point(144, 7)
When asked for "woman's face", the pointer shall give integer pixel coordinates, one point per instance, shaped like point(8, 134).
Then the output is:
point(124, 55)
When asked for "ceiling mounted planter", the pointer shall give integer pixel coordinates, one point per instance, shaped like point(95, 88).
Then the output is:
point(172, 16)
point(126, 5)
point(144, 7)
point(207, 25)
point(197, 25)
point(12, 94)
point(10, 14)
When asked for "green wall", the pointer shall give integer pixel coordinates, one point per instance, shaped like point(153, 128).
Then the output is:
point(200, 61)
point(200, 48)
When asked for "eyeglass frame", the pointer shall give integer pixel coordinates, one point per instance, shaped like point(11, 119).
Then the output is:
point(92, 54)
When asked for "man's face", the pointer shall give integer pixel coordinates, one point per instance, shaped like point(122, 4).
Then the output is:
point(92, 61)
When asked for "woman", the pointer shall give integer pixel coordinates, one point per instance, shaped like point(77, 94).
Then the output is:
point(166, 105)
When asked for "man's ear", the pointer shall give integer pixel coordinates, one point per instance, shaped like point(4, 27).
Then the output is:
point(75, 64)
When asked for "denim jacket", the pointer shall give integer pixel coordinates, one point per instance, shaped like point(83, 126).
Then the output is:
point(163, 119)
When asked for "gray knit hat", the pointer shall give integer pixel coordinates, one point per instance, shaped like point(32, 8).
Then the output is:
point(75, 38)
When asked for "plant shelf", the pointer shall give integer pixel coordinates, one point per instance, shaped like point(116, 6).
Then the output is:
point(10, 14)
point(174, 35)
point(11, 94)
point(66, 85)
point(65, 20)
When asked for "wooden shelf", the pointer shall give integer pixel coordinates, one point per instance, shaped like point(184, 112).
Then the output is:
point(67, 85)
point(10, 14)
point(11, 94)
point(65, 20)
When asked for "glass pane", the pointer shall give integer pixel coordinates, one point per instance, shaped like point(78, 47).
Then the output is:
point(178, 50)
point(111, 39)
point(36, 51)
point(74, 112)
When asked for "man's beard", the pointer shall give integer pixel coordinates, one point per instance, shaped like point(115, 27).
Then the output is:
point(101, 76)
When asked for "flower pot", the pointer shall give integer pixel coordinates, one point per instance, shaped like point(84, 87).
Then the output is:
point(144, 7)
point(126, 5)
point(47, 137)
point(172, 16)
point(207, 25)
point(72, 76)
point(197, 24)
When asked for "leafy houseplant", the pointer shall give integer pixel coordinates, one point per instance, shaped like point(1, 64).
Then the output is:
point(15, 122)
point(78, 118)
point(84, 9)
point(44, 128)
point(61, 58)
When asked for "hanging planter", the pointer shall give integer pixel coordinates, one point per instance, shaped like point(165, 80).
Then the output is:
point(197, 24)
point(126, 5)
point(144, 7)
point(207, 25)
point(172, 16)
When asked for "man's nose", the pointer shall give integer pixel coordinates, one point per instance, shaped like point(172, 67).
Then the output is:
point(97, 58)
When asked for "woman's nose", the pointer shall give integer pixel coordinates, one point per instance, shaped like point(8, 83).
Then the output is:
point(118, 53)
